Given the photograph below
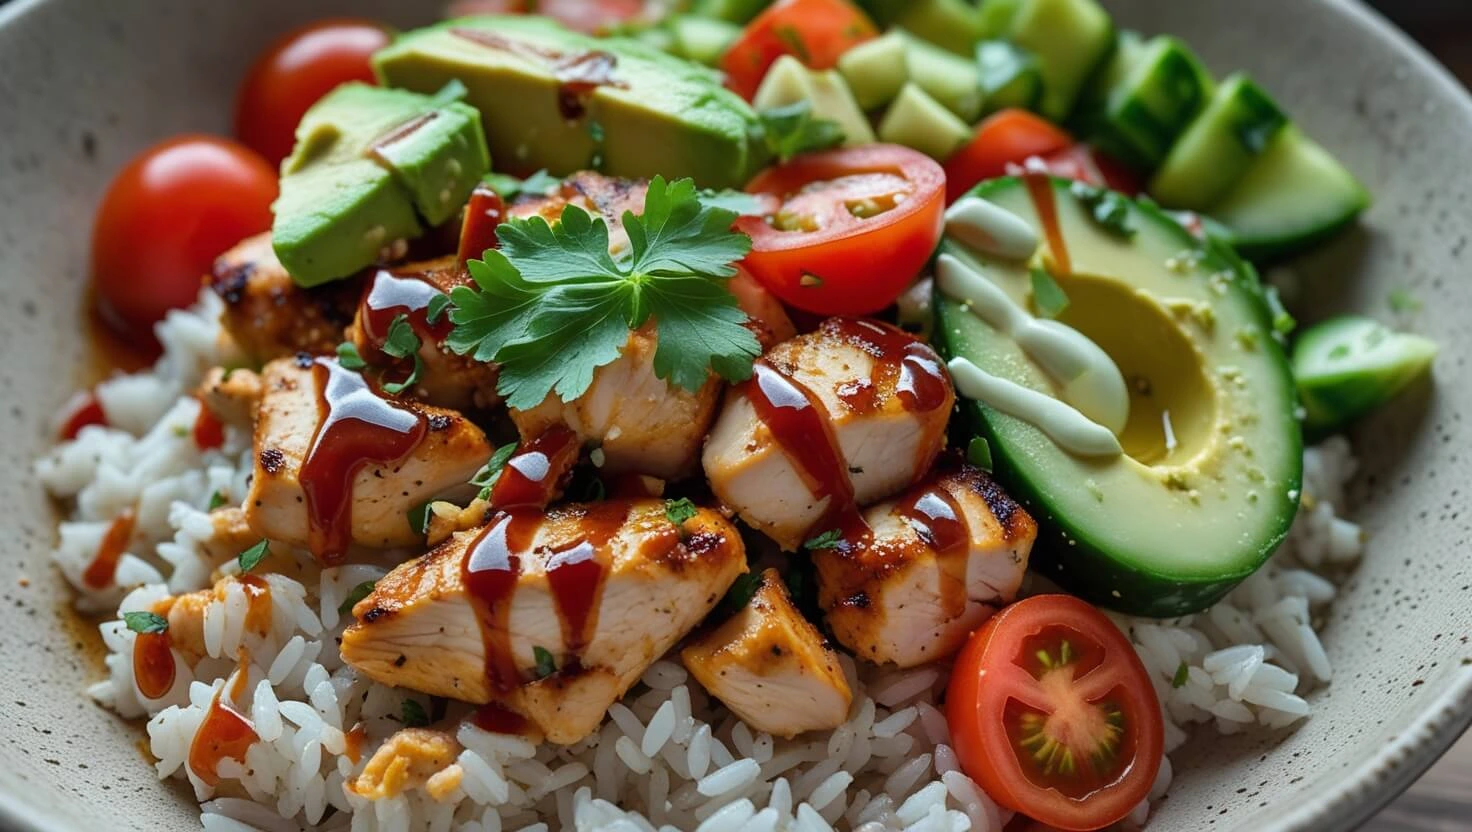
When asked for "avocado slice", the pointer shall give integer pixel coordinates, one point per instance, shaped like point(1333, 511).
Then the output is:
point(1177, 520)
point(561, 101)
point(371, 166)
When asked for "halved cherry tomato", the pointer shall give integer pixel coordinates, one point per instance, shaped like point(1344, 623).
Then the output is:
point(297, 69)
point(816, 32)
point(165, 218)
point(591, 16)
point(1054, 716)
point(1008, 137)
point(1084, 163)
point(854, 227)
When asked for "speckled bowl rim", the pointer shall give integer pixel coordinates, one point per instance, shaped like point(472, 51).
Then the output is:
point(1371, 784)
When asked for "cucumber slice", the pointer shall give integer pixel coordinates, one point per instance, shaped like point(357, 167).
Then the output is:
point(1163, 89)
point(1347, 367)
point(1294, 195)
point(946, 77)
point(1010, 76)
point(954, 25)
point(701, 39)
point(1071, 38)
point(788, 82)
point(1218, 147)
point(916, 120)
point(995, 17)
point(1186, 513)
point(736, 11)
point(876, 69)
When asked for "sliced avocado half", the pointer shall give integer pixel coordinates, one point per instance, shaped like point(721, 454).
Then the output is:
point(1189, 510)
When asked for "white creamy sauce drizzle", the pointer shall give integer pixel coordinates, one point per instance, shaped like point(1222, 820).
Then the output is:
point(1061, 423)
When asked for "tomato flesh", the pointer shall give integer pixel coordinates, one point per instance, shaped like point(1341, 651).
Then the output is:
point(297, 69)
point(815, 32)
point(164, 219)
point(1008, 137)
point(1054, 715)
point(852, 228)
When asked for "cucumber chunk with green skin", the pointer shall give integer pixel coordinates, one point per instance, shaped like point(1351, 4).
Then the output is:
point(701, 39)
point(1347, 367)
point(1219, 146)
point(736, 11)
point(1071, 38)
point(1161, 92)
point(995, 17)
point(1010, 76)
point(1186, 513)
point(1294, 195)
point(918, 121)
point(876, 70)
point(945, 76)
point(953, 25)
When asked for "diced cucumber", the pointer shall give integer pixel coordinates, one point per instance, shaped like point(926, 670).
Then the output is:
point(946, 77)
point(950, 24)
point(1293, 195)
point(788, 82)
point(736, 11)
point(876, 69)
point(658, 37)
point(1071, 39)
point(1129, 45)
point(702, 39)
point(916, 120)
point(1161, 92)
point(995, 17)
point(1010, 76)
point(1237, 125)
point(1346, 367)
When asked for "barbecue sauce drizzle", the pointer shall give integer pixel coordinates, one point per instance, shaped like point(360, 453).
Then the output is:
point(225, 732)
point(1040, 189)
point(578, 74)
point(390, 295)
point(356, 427)
point(153, 658)
point(104, 566)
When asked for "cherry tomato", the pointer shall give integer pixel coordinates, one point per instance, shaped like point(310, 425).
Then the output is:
point(297, 69)
point(166, 217)
point(816, 32)
point(854, 228)
point(1054, 715)
point(591, 16)
point(1006, 137)
point(1084, 163)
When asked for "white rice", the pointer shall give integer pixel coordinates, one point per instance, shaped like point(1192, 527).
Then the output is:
point(669, 757)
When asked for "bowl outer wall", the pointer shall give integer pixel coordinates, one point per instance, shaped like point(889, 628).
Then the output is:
point(84, 84)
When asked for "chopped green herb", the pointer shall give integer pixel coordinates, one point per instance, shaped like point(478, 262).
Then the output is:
point(1183, 674)
point(348, 357)
point(394, 388)
point(595, 132)
point(742, 203)
point(1108, 208)
point(412, 714)
point(181, 431)
point(217, 499)
point(419, 518)
point(678, 511)
point(355, 595)
point(146, 622)
point(509, 187)
point(1283, 322)
point(743, 589)
point(490, 472)
point(552, 305)
point(1402, 301)
point(1047, 295)
point(793, 38)
point(401, 341)
point(438, 306)
point(792, 129)
point(546, 662)
point(253, 556)
point(979, 453)
point(827, 540)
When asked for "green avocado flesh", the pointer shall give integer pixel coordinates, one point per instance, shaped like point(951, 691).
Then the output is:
point(560, 101)
point(371, 166)
point(1164, 529)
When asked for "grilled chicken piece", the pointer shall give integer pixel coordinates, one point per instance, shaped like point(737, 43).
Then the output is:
point(427, 627)
point(270, 316)
point(445, 379)
point(381, 494)
point(231, 395)
point(412, 758)
point(944, 557)
point(599, 195)
point(884, 444)
point(768, 655)
point(185, 613)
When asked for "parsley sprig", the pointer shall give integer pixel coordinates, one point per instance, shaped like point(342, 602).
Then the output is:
point(552, 304)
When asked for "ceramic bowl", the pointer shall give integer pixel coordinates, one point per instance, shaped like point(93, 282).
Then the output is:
point(85, 84)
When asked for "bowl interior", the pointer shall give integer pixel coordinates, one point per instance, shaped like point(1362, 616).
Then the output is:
point(84, 85)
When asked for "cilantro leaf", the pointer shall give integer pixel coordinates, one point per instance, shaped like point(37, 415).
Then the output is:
point(355, 595)
point(496, 314)
point(678, 511)
point(251, 557)
point(679, 234)
point(439, 303)
point(413, 715)
point(217, 499)
point(546, 662)
point(1183, 675)
point(743, 589)
point(509, 187)
point(394, 388)
point(146, 622)
point(419, 518)
point(827, 540)
point(792, 129)
point(348, 357)
point(979, 453)
point(490, 472)
point(401, 341)
point(1108, 208)
point(744, 204)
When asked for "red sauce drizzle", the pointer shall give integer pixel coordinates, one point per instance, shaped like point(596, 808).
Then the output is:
point(538, 467)
point(575, 573)
point(1040, 187)
point(104, 566)
point(941, 524)
point(209, 433)
point(483, 215)
point(578, 73)
point(224, 734)
point(258, 603)
point(899, 359)
point(357, 427)
point(499, 720)
point(153, 664)
point(353, 742)
point(380, 148)
point(390, 295)
point(491, 567)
